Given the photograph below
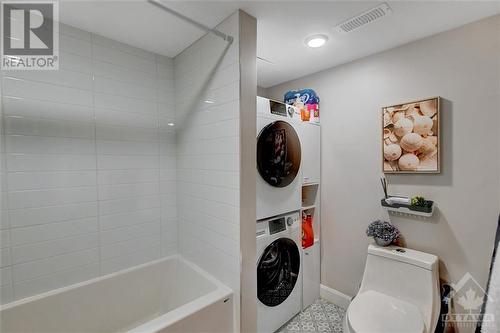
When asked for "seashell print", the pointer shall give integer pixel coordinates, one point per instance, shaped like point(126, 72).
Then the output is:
point(408, 162)
point(414, 110)
point(434, 125)
point(411, 142)
point(422, 125)
point(429, 107)
point(392, 152)
point(433, 139)
point(387, 119)
point(428, 161)
point(402, 108)
point(411, 137)
point(428, 147)
point(397, 116)
point(389, 166)
point(403, 127)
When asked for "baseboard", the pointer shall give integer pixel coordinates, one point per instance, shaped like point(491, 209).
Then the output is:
point(334, 296)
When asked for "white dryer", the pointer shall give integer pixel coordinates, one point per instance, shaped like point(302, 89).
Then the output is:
point(279, 271)
point(278, 158)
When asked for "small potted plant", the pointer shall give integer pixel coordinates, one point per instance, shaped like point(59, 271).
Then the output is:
point(382, 232)
point(420, 204)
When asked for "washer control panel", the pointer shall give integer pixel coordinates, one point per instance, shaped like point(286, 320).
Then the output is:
point(278, 224)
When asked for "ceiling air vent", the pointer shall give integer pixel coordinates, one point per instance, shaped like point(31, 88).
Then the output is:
point(360, 20)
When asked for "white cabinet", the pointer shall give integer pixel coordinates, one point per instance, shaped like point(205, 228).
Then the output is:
point(310, 136)
point(311, 149)
point(310, 274)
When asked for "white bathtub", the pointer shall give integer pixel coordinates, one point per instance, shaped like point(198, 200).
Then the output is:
point(168, 295)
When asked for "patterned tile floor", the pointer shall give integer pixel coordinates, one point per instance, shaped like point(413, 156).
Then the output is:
point(321, 316)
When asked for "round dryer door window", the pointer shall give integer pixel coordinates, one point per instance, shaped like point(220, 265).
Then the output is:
point(277, 271)
point(278, 154)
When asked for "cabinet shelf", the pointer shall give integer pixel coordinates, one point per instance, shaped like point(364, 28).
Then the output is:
point(308, 207)
point(309, 196)
point(310, 142)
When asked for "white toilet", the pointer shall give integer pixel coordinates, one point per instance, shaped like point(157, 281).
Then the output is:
point(399, 293)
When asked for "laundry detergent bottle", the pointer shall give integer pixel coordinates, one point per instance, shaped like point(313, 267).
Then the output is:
point(307, 230)
point(304, 114)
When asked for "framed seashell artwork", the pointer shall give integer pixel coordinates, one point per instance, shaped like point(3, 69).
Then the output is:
point(411, 140)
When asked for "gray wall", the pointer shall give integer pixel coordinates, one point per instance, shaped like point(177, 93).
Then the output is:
point(261, 91)
point(463, 67)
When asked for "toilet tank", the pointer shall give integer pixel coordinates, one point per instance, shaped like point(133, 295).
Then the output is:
point(405, 274)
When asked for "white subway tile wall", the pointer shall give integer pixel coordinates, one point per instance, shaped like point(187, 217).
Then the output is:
point(88, 167)
point(207, 114)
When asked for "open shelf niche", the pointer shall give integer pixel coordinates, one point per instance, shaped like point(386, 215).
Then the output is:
point(312, 254)
point(310, 205)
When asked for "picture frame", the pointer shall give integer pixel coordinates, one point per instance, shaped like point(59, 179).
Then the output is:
point(411, 137)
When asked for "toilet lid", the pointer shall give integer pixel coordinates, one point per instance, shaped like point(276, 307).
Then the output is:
point(374, 312)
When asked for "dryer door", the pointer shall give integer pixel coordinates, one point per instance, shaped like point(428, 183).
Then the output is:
point(278, 153)
point(277, 271)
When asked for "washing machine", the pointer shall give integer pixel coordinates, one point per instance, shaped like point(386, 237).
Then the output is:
point(279, 271)
point(278, 158)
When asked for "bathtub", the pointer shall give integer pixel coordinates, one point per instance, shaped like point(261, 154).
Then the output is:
point(167, 295)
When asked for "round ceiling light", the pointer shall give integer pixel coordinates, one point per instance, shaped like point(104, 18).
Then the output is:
point(316, 40)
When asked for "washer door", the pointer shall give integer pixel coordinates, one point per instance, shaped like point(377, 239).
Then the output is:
point(277, 271)
point(278, 154)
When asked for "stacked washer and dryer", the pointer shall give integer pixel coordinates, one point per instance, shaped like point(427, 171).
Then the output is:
point(279, 202)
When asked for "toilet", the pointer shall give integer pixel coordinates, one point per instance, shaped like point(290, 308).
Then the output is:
point(399, 293)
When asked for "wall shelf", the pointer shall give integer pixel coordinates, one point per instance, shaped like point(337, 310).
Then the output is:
point(308, 207)
point(407, 210)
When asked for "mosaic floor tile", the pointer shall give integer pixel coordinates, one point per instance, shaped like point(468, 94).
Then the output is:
point(321, 316)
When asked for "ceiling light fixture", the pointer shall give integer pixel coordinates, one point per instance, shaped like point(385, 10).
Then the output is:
point(209, 101)
point(316, 40)
point(170, 124)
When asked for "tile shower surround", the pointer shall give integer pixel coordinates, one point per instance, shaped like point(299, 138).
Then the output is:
point(208, 159)
point(88, 174)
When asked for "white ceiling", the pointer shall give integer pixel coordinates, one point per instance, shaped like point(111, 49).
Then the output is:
point(134, 22)
point(282, 27)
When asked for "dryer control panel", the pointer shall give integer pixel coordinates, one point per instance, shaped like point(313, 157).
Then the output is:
point(269, 106)
point(282, 109)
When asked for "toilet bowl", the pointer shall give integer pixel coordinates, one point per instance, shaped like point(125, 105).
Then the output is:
point(399, 293)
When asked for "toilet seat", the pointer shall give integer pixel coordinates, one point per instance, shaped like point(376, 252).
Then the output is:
point(374, 312)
